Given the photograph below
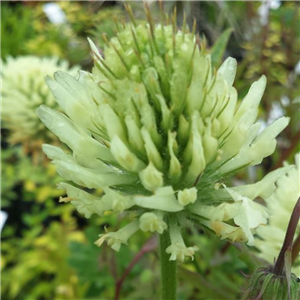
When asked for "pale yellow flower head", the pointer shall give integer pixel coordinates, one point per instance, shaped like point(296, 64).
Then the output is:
point(23, 90)
point(280, 206)
point(156, 127)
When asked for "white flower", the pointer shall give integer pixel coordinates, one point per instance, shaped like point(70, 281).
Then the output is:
point(246, 215)
point(23, 90)
point(280, 205)
point(178, 249)
point(187, 196)
point(115, 239)
point(163, 199)
point(151, 178)
point(156, 128)
point(152, 222)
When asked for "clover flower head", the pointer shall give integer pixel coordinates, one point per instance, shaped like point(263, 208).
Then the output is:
point(23, 91)
point(280, 205)
point(157, 128)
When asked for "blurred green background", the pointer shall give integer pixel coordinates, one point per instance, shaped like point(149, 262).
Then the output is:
point(47, 249)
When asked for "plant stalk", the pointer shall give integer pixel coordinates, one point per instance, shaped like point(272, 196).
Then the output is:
point(168, 269)
point(296, 248)
point(288, 241)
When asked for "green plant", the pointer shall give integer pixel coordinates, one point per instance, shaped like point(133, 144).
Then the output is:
point(15, 22)
point(160, 134)
point(37, 262)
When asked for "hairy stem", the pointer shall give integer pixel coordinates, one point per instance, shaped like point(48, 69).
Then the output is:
point(168, 269)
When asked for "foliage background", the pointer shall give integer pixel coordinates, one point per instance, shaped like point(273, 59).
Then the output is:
point(47, 249)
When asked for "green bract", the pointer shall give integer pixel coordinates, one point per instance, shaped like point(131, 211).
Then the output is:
point(23, 91)
point(158, 130)
point(265, 285)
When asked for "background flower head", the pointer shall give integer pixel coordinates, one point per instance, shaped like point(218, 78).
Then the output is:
point(23, 90)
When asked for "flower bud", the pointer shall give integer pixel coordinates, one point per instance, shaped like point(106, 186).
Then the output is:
point(151, 178)
point(187, 196)
point(152, 222)
point(265, 285)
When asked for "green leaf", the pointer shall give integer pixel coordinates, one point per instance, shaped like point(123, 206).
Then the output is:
point(219, 47)
point(83, 259)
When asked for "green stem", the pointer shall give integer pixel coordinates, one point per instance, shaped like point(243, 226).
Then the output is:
point(168, 269)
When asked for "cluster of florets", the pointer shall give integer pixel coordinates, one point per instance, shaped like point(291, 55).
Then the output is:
point(280, 206)
point(23, 91)
point(158, 130)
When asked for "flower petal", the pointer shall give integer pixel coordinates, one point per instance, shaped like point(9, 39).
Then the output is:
point(68, 168)
point(126, 158)
point(115, 239)
point(228, 70)
point(151, 178)
point(178, 249)
point(84, 202)
point(163, 199)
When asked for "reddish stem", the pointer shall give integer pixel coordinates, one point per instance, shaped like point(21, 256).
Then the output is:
point(289, 237)
point(150, 245)
point(296, 248)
